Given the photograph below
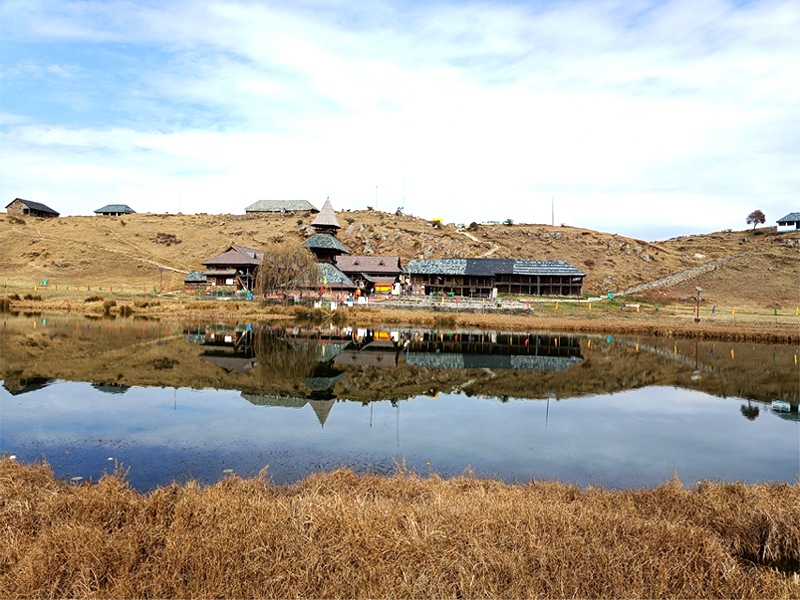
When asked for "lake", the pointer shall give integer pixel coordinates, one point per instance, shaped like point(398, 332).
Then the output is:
point(171, 401)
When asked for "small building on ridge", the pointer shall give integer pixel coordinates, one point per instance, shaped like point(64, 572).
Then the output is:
point(790, 222)
point(280, 207)
point(29, 208)
point(115, 210)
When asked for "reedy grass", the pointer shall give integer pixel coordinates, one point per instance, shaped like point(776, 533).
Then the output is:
point(344, 535)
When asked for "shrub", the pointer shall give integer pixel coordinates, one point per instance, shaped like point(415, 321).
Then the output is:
point(146, 303)
point(13, 296)
point(473, 226)
point(350, 220)
point(33, 297)
point(94, 299)
point(125, 310)
point(108, 304)
point(306, 313)
point(5, 305)
point(166, 238)
point(589, 262)
point(444, 321)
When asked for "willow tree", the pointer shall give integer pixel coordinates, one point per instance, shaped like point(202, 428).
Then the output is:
point(287, 267)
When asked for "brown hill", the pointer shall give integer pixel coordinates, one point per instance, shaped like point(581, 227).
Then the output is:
point(127, 251)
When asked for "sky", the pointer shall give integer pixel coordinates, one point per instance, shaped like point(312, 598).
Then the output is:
point(645, 118)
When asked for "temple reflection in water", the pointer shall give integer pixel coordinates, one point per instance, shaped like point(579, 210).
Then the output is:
point(311, 361)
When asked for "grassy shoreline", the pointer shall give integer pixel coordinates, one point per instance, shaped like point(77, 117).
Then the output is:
point(783, 330)
point(344, 535)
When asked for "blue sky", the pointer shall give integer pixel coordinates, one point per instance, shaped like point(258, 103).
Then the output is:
point(649, 119)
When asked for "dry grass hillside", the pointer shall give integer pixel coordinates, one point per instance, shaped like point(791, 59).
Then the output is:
point(127, 251)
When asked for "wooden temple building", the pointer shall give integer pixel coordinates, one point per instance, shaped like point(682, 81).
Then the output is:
point(488, 277)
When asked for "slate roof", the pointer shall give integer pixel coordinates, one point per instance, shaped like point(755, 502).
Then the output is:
point(448, 266)
point(516, 362)
point(195, 277)
point(367, 358)
point(278, 206)
point(489, 267)
point(273, 400)
point(116, 208)
point(322, 384)
point(326, 217)
point(389, 265)
point(235, 255)
point(334, 277)
point(232, 364)
point(791, 217)
point(34, 205)
point(251, 252)
point(326, 241)
point(322, 409)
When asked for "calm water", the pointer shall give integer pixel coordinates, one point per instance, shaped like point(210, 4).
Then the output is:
point(599, 410)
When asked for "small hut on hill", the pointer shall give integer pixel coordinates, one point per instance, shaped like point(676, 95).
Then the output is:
point(29, 208)
point(115, 210)
point(266, 208)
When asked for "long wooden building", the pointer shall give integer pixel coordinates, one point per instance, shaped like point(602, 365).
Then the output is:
point(488, 277)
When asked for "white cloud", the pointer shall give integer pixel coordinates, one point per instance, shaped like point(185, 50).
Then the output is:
point(487, 110)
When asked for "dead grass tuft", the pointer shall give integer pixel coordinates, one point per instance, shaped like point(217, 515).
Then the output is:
point(344, 535)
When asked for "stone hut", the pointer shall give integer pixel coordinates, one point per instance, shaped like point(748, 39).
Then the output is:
point(30, 208)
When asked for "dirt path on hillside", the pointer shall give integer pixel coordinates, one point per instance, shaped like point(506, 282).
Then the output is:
point(103, 248)
point(684, 276)
point(477, 241)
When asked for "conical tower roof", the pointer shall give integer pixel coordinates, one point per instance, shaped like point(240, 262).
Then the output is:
point(326, 217)
point(322, 409)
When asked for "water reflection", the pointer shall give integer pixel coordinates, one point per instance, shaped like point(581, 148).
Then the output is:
point(254, 393)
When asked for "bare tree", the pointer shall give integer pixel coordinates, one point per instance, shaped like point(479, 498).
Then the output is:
point(286, 267)
point(756, 218)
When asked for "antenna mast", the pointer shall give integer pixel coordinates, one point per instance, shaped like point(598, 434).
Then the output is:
point(552, 211)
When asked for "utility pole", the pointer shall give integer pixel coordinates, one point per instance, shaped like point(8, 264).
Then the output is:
point(552, 211)
point(376, 196)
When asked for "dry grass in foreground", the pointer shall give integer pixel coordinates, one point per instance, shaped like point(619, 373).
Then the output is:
point(343, 535)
